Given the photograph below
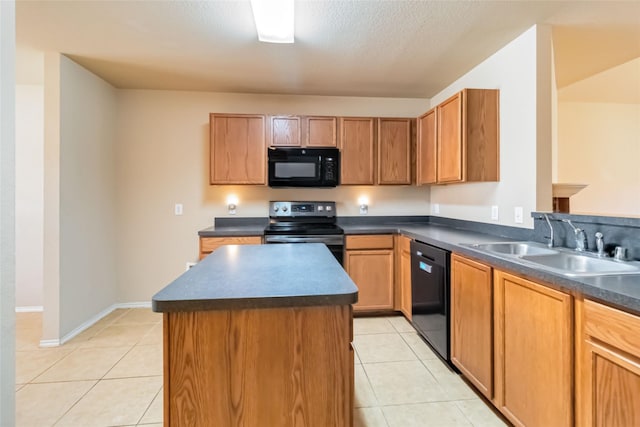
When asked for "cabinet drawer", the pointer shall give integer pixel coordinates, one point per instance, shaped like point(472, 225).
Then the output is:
point(209, 244)
point(379, 241)
point(612, 326)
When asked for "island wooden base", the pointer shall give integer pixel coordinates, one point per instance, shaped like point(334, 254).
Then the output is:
point(259, 367)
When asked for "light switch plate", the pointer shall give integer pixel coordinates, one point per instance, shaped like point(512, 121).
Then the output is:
point(177, 209)
point(517, 214)
point(494, 212)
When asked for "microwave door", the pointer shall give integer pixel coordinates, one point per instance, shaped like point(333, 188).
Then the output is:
point(299, 170)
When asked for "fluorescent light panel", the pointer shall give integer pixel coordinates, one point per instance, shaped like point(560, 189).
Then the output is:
point(274, 20)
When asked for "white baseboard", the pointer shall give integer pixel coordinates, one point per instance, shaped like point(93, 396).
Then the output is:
point(29, 309)
point(49, 343)
point(92, 321)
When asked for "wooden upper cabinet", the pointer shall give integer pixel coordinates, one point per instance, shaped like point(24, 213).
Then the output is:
point(468, 137)
point(237, 149)
point(450, 143)
point(320, 131)
point(394, 151)
point(472, 321)
point(357, 146)
point(285, 131)
point(427, 149)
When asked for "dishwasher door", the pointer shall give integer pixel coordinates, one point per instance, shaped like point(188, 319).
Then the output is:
point(430, 295)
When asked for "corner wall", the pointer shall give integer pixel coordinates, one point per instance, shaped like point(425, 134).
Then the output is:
point(7, 212)
point(29, 195)
point(80, 196)
point(520, 71)
point(163, 159)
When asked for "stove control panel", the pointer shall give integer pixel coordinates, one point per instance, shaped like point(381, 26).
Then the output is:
point(302, 209)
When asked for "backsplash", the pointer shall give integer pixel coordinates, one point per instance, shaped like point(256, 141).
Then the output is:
point(617, 231)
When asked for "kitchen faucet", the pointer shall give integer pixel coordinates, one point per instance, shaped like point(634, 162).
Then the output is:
point(550, 237)
point(581, 237)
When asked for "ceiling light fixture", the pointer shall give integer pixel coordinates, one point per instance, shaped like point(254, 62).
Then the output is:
point(274, 20)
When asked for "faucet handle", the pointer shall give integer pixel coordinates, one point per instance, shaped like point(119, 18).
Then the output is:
point(600, 244)
point(620, 253)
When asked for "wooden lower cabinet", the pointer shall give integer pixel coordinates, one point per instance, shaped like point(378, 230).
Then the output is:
point(283, 367)
point(369, 261)
point(472, 322)
point(210, 244)
point(403, 275)
point(608, 349)
point(533, 342)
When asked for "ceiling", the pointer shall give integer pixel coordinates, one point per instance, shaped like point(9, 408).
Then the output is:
point(382, 48)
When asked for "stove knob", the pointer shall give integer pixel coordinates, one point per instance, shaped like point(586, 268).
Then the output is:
point(276, 208)
point(284, 209)
point(328, 208)
point(320, 208)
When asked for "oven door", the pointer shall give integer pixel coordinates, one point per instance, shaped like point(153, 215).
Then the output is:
point(334, 243)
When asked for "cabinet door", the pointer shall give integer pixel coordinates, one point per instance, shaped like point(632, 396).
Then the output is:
point(285, 131)
point(472, 322)
point(610, 374)
point(372, 272)
point(237, 149)
point(394, 151)
point(403, 276)
point(533, 352)
point(321, 131)
point(357, 147)
point(450, 144)
point(426, 150)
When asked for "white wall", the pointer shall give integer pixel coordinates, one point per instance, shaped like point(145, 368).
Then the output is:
point(599, 145)
point(7, 212)
point(29, 194)
point(525, 137)
point(80, 179)
point(599, 141)
point(163, 151)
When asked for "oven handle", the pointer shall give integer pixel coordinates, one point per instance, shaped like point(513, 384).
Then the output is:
point(327, 240)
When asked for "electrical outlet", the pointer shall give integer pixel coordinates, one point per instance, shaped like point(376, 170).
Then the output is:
point(436, 208)
point(517, 214)
point(494, 212)
point(364, 209)
point(177, 209)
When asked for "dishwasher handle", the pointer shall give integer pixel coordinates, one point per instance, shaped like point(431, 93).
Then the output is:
point(420, 254)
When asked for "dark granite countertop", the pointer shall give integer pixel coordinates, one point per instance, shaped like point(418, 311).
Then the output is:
point(260, 276)
point(237, 227)
point(622, 291)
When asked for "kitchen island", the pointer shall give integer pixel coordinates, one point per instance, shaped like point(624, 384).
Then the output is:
point(259, 335)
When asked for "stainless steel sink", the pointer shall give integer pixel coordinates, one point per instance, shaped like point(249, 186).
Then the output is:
point(574, 264)
point(562, 261)
point(515, 248)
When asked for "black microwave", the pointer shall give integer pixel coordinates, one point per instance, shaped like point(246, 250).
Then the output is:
point(304, 167)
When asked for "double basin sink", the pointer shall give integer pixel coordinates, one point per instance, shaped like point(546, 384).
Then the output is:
point(562, 261)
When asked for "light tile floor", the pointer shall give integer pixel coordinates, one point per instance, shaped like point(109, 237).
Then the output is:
point(111, 375)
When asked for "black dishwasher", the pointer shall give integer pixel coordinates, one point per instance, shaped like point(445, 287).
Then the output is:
point(430, 295)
